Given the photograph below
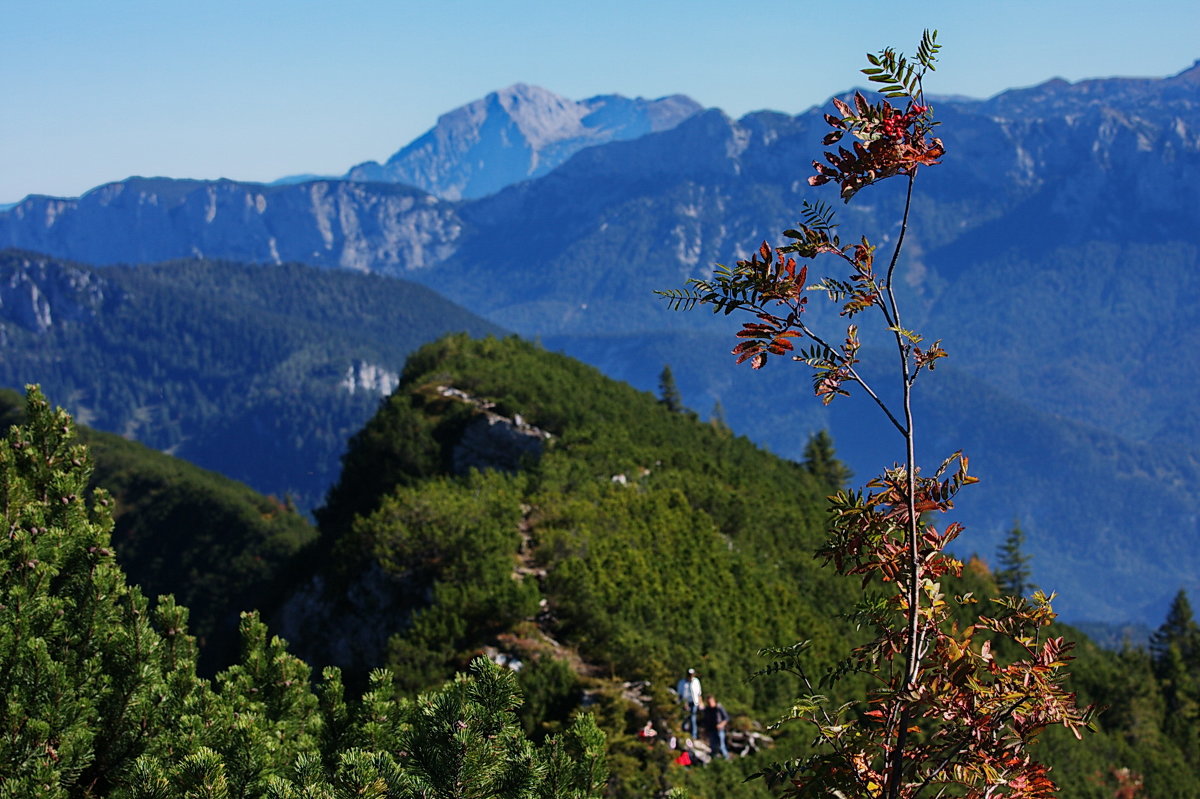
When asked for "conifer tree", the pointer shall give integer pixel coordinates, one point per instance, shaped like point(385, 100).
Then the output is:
point(82, 675)
point(1179, 629)
point(717, 417)
point(1175, 649)
point(822, 463)
point(1013, 576)
point(668, 392)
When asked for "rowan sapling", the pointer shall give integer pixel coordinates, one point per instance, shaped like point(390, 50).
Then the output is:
point(946, 715)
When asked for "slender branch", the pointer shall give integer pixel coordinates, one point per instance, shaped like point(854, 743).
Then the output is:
point(912, 649)
point(887, 315)
point(897, 764)
point(883, 308)
point(857, 378)
point(912, 178)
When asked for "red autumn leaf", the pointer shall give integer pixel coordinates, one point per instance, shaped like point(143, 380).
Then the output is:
point(751, 330)
point(753, 352)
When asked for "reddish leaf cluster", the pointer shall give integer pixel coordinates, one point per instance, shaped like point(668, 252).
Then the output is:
point(778, 282)
point(867, 532)
point(967, 715)
point(836, 368)
point(890, 142)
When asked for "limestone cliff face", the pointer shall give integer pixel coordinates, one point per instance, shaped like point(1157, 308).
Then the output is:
point(493, 441)
point(369, 378)
point(387, 229)
point(36, 293)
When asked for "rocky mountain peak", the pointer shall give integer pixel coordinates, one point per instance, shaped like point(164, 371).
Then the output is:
point(1190, 77)
point(542, 116)
point(1134, 95)
point(518, 133)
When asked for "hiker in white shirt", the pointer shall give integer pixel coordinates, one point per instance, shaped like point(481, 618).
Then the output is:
point(688, 689)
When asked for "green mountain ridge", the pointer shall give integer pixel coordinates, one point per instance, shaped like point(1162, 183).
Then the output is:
point(640, 542)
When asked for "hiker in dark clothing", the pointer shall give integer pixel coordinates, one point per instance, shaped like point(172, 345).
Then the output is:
point(716, 719)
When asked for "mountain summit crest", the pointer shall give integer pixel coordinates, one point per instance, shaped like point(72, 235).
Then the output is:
point(517, 133)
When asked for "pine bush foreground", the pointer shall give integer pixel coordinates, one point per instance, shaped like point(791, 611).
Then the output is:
point(99, 695)
point(955, 708)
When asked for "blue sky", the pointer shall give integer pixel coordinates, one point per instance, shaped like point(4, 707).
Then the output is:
point(97, 91)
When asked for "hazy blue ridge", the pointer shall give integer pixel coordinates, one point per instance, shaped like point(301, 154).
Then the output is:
point(260, 372)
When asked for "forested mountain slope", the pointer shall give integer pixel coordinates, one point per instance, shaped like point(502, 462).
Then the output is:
point(259, 372)
point(609, 540)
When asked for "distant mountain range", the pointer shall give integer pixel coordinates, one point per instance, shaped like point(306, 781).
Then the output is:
point(1055, 251)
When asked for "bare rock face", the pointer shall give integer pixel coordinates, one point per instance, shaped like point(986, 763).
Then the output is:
point(516, 134)
point(496, 442)
point(369, 378)
point(492, 441)
point(387, 229)
point(36, 294)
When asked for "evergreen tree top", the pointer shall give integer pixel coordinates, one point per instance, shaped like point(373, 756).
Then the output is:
point(668, 391)
point(1179, 630)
